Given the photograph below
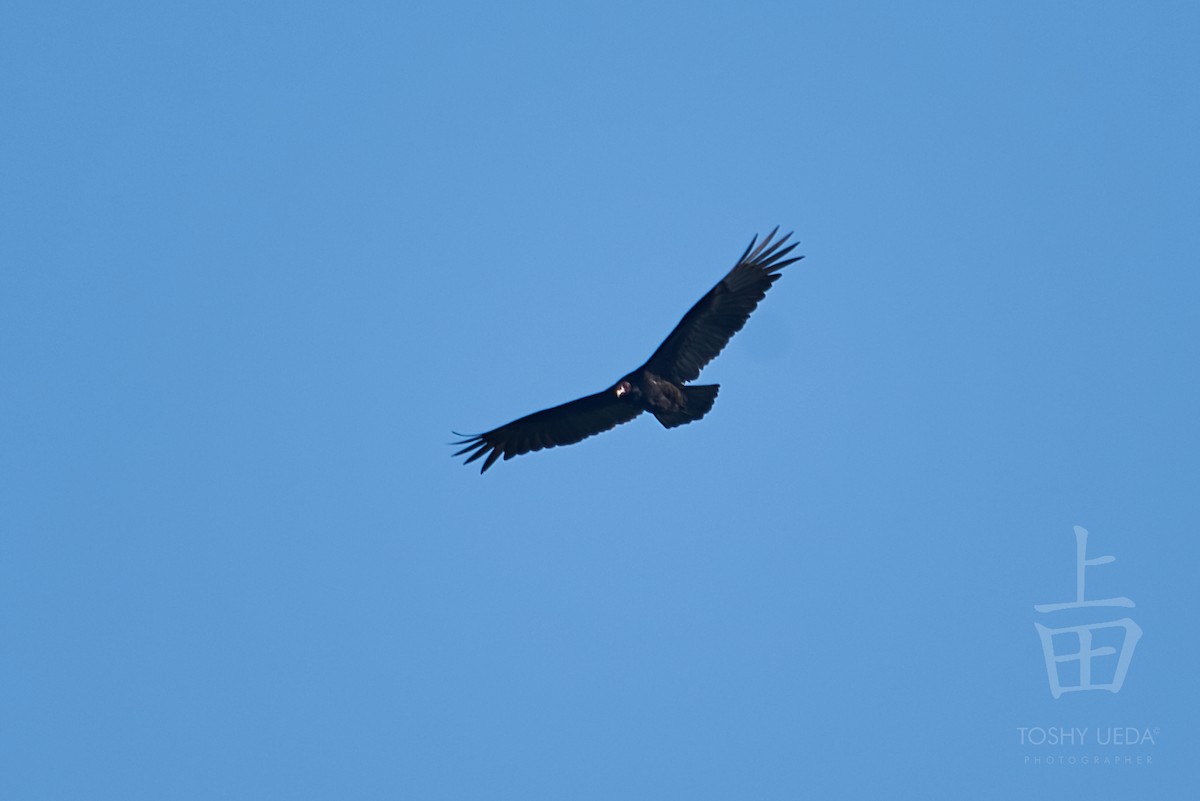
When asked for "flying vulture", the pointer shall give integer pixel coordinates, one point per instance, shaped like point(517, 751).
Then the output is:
point(658, 386)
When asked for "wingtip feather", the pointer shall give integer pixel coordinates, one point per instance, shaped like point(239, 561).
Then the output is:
point(492, 457)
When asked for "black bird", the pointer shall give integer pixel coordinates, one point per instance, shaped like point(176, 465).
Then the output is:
point(658, 385)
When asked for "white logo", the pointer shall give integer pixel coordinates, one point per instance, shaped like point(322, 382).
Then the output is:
point(1083, 634)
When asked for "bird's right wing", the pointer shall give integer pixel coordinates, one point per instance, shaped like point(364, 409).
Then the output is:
point(707, 328)
point(560, 425)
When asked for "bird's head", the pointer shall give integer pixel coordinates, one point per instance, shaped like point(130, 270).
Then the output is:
point(623, 388)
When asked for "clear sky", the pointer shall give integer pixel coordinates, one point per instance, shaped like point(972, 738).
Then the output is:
point(257, 261)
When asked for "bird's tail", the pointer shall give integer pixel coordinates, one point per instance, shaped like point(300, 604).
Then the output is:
point(697, 402)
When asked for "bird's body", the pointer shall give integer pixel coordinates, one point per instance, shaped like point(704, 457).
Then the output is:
point(660, 385)
point(673, 404)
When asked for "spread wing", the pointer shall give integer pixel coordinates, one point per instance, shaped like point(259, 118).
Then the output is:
point(707, 328)
point(560, 425)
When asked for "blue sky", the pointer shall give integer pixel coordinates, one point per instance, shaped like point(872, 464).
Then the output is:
point(258, 261)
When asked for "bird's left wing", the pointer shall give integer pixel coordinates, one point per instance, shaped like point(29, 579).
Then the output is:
point(709, 325)
point(560, 425)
